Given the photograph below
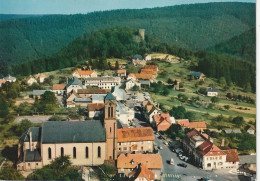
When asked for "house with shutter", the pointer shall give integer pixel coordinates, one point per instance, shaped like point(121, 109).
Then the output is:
point(128, 163)
point(58, 89)
point(30, 80)
point(40, 77)
point(211, 92)
point(135, 140)
point(197, 76)
point(162, 121)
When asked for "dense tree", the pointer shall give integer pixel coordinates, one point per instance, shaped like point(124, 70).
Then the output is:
point(3, 107)
point(182, 97)
point(238, 120)
point(10, 173)
point(214, 99)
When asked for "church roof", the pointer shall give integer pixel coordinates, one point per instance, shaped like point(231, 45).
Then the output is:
point(73, 132)
point(110, 96)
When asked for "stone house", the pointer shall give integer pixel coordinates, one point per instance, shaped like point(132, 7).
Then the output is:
point(127, 163)
point(135, 140)
point(184, 123)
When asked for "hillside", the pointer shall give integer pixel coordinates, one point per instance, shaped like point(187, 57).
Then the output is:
point(5, 17)
point(243, 46)
point(195, 27)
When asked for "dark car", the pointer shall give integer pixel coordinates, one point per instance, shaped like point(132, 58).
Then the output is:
point(182, 165)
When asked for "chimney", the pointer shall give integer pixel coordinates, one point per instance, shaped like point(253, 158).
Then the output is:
point(30, 141)
point(223, 142)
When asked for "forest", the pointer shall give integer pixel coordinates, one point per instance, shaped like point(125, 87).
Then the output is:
point(243, 46)
point(120, 43)
point(194, 27)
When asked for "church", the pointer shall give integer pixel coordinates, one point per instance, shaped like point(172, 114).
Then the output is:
point(88, 143)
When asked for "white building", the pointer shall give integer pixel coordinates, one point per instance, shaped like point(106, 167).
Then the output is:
point(9, 79)
point(40, 77)
point(212, 92)
point(124, 114)
point(30, 80)
point(103, 82)
point(84, 73)
point(130, 83)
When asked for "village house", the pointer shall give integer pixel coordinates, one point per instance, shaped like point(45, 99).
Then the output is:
point(138, 60)
point(141, 173)
point(145, 84)
point(162, 121)
point(184, 123)
point(211, 92)
point(2, 81)
point(121, 73)
point(250, 130)
point(84, 73)
point(127, 163)
point(197, 75)
point(95, 110)
point(58, 89)
point(70, 100)
point(148, 57)
point(103, 82)
point(130, 83)
point(135, 140)
point(124, 114)
point(38, 93)
point(89, 92)
point(73, 84)
point(150, 111)
point(207, 155)
point(87, 143)
point(30, 80)
point(40, 77)
point(9, 79)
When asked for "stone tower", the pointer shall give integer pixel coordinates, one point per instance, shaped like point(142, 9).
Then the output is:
point(110, 127)
point(142, 33)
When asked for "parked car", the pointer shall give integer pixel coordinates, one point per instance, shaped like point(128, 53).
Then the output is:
point(182, 157)
point(178, 150)
point(171, 161)
point(205, 179)
point(173, 150)
point(166, 143)
point(182, 165)
point(160, 147)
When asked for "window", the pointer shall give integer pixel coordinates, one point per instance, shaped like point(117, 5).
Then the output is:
point(110, 129)
point(61, 151)
point(209, 165)
point(29, 164)
point(86, 152)
point(99, 152)
point(220, 157)
point(49, 153)
point(220, 163)
point(36, 164)
point(74, 152)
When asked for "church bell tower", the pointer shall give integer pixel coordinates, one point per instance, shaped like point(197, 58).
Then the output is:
point(110, 127)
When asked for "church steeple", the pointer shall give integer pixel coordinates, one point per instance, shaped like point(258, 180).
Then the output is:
point(110, 126)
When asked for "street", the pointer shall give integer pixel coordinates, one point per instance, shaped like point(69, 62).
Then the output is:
point(190, 173)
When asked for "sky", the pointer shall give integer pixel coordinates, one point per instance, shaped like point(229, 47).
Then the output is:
point(86, 6)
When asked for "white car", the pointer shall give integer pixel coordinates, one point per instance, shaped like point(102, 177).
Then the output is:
point(178, 150)
point(171, 161)
point(166, 143)
point(160, 147)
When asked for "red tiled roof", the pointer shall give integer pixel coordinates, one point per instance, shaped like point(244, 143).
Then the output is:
point(153, 67)
point(121, 71)
point(148, 71)
point(158, 118)
point(144, 76)
point(95, 106)
point(142, 172)
point(232, 155)
point(183, 122)
point(84, 72)
point(93, 91)
point(207, 148)
point(2, 81)
point(58, 86)
point(197, 125)
point(151, 161)
point(135, 134)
